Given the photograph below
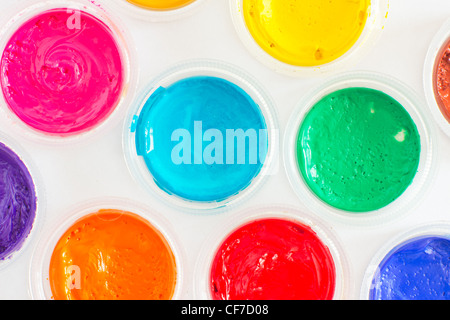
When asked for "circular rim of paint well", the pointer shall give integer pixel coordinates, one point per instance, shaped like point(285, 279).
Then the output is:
point(221, 231)
point(31, 8)
point(440, 40)
point(40, 192)
point(156, 15)
point(39, 265)
point(371, 33)
point(413, 105)
point(439, 229)
point(137, 165)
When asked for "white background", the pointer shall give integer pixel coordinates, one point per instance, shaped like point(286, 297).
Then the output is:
point(74, 174)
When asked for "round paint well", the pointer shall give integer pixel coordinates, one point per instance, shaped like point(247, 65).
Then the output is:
point(157, 10)
point(437, 78)
point(272, 254)
point(66, 69)
point(308, 37)
point(21, 201)
point(108, 250)
point(161, 4)
point(202, 136)
point(358, 149)
point(415, 266)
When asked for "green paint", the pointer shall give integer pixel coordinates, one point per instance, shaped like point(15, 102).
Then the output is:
point(358, 149)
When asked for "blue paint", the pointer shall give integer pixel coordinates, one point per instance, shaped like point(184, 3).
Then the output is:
point(182, 134)
point(416, 270)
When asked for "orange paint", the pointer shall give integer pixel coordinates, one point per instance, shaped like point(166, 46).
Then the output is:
point(161, 4)
point(112, 255)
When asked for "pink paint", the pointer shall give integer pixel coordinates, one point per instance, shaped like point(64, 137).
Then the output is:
point(62, 72)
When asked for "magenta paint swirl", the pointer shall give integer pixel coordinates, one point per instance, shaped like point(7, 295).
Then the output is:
point(62, 72)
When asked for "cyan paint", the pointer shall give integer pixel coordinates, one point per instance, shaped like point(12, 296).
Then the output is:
point(190, 135)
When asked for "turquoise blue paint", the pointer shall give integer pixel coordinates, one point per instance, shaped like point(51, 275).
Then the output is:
point(184, 135)
point(416, 270)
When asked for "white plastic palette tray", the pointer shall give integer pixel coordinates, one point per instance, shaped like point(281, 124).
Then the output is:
point(97, 168)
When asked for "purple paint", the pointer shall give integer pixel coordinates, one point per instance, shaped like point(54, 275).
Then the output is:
point(17, 203)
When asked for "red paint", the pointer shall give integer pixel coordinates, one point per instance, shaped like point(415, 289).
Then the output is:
point(443, 82)
point(273, 259)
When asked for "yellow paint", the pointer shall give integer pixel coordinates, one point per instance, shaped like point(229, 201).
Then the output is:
point(306, 32)
point(161, 4)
